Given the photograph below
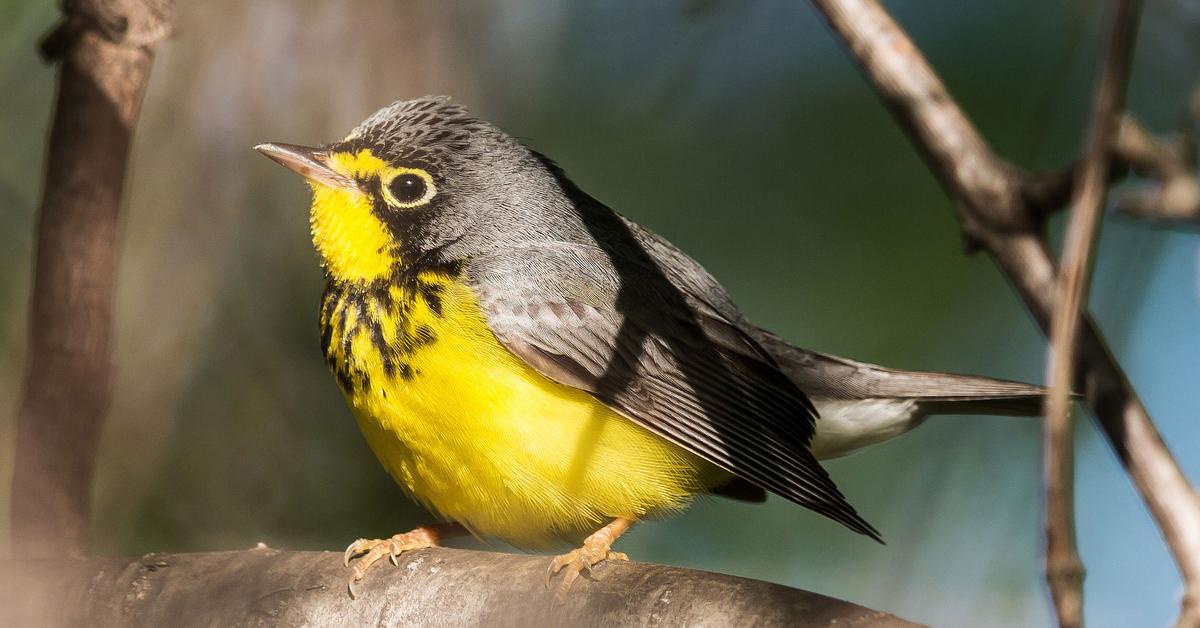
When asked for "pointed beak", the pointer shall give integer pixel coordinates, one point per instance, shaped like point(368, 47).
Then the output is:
point(310, 163)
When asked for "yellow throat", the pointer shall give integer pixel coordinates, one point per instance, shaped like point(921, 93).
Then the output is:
point(354, 245)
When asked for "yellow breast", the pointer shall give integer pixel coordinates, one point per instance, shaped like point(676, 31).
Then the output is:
point(479, 436)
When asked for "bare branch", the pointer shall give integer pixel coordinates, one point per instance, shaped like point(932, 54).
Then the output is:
point(989, 198)
point(1045, 193)
point(1169, 162)
point(437, 587)
point(69, 377)
point(1064, 571)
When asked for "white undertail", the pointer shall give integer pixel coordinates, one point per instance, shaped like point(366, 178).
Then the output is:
point(846, 425)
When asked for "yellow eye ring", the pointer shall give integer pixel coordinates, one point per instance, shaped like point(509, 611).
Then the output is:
point(406, 188)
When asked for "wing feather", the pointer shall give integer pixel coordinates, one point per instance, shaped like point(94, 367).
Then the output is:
point(662, 358)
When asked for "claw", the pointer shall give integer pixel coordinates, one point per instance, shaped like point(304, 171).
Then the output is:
point(352, 551)
point(370, 551)
point(581, 561)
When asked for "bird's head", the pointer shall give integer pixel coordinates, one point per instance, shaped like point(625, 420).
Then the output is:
point(414, 179)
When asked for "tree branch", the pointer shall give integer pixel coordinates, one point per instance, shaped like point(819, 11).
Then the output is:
point(989, 197)
point(69, 376)
point(429, 587)
point(1064, 571)
point(1171, 163)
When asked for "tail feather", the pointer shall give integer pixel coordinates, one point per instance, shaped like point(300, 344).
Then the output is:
point(1024, 405)
point(831, 377)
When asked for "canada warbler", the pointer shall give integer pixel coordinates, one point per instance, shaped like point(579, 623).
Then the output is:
point(533, 366)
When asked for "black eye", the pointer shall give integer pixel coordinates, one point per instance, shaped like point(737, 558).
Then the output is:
point(408, 188)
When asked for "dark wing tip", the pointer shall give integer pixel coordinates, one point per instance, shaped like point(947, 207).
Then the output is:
point(847, 516)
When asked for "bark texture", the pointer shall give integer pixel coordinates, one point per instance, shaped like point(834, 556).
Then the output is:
point(436, 587)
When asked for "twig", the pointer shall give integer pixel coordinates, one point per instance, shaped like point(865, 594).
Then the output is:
point(69, 375)
point(989, 199)
point(1171, 163)
point(1045, 193)
point(1064, 571)
point(438, 587)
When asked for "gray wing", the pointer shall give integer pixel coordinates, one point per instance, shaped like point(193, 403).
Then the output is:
point(609, 321)
point(825, 376)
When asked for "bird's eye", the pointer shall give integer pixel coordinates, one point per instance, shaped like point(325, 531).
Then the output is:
point(409, 188)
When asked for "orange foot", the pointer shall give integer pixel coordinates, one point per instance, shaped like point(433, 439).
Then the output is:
point(367, 552)
point(596, 549)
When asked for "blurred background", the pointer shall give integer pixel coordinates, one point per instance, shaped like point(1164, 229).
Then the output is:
point(227, 430)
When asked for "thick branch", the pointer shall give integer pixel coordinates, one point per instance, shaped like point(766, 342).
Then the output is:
point(989, 199)
point(69, 376)
point(439, 587)
point(1064, 571)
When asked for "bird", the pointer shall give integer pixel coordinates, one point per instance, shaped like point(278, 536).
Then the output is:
point(532, 366)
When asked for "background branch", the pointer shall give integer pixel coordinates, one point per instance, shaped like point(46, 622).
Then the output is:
point(1171, 163)
point(68, 380)
point(441, 586)
point(989, 198)
point(1064, 571)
